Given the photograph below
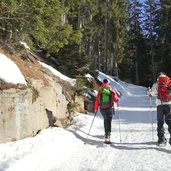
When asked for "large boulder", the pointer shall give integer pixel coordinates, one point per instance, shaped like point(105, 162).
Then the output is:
point(43, 102)
point(26, 111)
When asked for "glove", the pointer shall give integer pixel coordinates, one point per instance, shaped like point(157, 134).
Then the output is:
point(95, 110)
point(169, 87)
point(117, 105)
point(150, 95)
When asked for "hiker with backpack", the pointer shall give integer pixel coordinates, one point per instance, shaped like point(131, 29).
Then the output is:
point(163, 91)
point(105, 102)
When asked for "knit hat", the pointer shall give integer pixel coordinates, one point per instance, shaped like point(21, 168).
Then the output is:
point(161, 74)
point(105, 81)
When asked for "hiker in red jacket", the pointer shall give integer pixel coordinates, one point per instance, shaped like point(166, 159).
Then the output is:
point(163, 91)
point(105, 102)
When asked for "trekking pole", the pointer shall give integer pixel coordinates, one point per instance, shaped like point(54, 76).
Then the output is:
point(151, 119)
point(90, 127)
point(119, 124)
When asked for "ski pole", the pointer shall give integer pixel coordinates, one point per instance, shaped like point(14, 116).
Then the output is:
point(119, 124)
point(90, 127)
point(151, 119)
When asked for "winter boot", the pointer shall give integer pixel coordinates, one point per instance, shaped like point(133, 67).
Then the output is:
point(107, 138)
point(162, 141)
point(109, 135)
point(170, 141)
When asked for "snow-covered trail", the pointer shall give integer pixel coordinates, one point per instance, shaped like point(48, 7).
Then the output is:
point(134, 148)
point(57, 149)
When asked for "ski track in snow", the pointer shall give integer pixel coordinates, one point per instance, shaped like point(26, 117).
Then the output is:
point(130, 154)
point(57, 149)
point(137, 150)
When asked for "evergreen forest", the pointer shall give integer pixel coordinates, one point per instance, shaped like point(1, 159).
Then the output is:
point(129, 39)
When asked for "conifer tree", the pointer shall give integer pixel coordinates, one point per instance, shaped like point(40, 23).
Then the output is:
point(165, 37)
point(118, 31)
point(135, 50)
point(150, 27)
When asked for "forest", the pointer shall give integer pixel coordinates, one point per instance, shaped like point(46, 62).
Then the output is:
point(129, 39)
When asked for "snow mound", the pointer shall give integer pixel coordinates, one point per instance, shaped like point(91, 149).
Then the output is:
point(57, 73)
point(9, 71)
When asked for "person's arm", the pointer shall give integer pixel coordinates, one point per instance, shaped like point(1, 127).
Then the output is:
point(153, 90)
point(115, 96)
point(96, 104)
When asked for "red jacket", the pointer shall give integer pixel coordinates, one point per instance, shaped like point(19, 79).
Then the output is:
point(114, 96)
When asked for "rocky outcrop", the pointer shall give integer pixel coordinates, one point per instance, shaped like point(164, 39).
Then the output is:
point(43, 102)
point(24, 112)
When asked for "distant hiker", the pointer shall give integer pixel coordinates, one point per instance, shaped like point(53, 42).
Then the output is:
point(163, 91)
point(105, 101)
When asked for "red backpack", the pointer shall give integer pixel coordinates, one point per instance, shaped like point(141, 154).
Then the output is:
point(164, 90)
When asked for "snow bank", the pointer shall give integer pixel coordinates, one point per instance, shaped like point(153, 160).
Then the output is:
point(9, 71)
point(57, 73)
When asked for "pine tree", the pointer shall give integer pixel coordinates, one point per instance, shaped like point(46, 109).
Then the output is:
point(135, 50)
point(11, 17)
point(165, 37)
point(46, 26)
point(118, 30)
point(150, 28)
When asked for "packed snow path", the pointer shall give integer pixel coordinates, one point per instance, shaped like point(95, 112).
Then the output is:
point(57, 149)
point(133, 149)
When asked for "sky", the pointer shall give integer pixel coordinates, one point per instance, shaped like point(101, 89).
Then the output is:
point(61, 149)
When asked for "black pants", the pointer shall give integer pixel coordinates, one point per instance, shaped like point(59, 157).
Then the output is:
point(107, 116)
point(163, 114)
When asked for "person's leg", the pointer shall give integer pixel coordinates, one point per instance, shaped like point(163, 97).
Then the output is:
point(107, 116)
point(167, 110)
point(109, 120)
point(103, 112)
point(160, 123)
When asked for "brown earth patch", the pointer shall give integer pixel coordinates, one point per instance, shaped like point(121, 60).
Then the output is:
point(29, 66)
